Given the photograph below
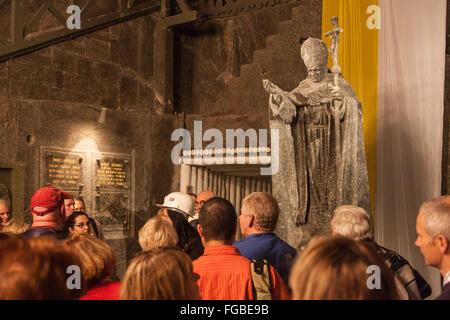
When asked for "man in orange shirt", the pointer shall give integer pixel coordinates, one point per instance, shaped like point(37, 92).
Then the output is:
point(224, 273)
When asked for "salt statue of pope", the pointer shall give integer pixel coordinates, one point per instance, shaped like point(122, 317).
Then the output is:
point(321, 147)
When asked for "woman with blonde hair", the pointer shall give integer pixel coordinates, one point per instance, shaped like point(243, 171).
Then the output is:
point(98, 261)
point(340, 268)
point(157, 232)
point(160, 274)
point(16, 227)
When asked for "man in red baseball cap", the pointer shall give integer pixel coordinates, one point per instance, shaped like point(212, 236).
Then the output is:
point(47, 208)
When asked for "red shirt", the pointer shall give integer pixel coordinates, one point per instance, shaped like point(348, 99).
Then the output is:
point(103, 291)
point(226, 275)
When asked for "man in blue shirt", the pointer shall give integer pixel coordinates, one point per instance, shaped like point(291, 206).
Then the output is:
point(258, 219)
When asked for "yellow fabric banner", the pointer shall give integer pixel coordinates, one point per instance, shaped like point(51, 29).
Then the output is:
point(358, 59)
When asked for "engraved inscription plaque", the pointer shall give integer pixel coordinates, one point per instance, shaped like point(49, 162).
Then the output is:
point(64, 170)
point(112, 176)
point(104, 180)
point(113, 173)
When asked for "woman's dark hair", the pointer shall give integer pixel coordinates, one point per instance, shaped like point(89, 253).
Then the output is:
point(186, 233)
point(70, 221)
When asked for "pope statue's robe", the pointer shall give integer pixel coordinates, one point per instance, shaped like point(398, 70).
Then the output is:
point(322, 158)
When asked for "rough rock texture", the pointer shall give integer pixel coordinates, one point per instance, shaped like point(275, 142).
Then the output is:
point(52, 97)
point(223, 84)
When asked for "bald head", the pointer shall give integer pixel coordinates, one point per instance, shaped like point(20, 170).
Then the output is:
point(202, 197)
point(4, 212)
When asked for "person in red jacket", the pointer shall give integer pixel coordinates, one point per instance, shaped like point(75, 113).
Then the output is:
point(224, 273)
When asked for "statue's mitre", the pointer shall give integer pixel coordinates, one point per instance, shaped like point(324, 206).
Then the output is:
point(314, 50)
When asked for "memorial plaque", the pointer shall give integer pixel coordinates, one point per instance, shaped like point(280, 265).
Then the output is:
point(112, 174)
point(62, 169)
point(104, 180)
point(113, 192)
point(112, 211)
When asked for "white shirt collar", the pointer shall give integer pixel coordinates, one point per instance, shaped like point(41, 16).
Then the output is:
point(447, 278)
point(194, 217)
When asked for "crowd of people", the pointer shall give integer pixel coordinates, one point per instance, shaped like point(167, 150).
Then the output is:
point(190, 252)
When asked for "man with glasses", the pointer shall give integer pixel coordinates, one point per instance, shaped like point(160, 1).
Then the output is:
point(200, 200)
point(5, 215)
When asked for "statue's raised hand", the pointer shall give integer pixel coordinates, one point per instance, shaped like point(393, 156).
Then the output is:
point(270, 87)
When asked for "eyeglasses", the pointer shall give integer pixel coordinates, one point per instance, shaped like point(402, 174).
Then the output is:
point(81, 225)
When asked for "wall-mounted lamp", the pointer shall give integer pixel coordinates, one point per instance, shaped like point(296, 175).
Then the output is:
point(102, 118)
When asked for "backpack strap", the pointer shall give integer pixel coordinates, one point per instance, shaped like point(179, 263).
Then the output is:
point(262, 289)
point(94, 226)
point(415, 284)
point(424, 287)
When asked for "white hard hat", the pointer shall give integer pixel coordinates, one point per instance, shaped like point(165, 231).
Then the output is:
point(179, 202)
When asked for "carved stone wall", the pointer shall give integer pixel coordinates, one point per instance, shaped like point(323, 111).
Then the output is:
point(53, 97)
point(222, 67)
